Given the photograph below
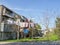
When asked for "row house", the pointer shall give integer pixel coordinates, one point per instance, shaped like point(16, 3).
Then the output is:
point(23, 25)
point(10, 22)
point(7, 23)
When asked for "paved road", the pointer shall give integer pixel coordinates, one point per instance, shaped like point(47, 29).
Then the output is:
point(33, 43)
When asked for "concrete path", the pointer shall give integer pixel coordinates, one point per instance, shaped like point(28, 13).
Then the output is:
point(5, 42)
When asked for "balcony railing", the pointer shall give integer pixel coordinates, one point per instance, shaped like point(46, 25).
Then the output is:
point(9, 15)
point(25, 24)
point(9, 22)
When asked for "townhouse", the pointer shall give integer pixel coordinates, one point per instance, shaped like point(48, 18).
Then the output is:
point(11, 23)
point(7, 23)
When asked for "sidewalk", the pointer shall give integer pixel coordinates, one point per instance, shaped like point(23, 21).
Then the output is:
point(5, 42)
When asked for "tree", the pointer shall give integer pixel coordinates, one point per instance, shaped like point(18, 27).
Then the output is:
point(46, 23)
point(57, 30)
point(37, 26)
point(37, 30)
point(31, 32)
point(17, 27)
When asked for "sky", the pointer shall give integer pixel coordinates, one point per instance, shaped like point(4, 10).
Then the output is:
point(36, 10)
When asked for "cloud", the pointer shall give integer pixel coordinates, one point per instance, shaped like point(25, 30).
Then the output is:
point(25, 9)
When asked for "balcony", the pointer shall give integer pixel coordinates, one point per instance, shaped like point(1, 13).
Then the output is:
point(25, 24)
point(8, 13)
point(8, 21)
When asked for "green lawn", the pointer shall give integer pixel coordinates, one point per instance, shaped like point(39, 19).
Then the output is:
point(52, 37)
point(30, 40)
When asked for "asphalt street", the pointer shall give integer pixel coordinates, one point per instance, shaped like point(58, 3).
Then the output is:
point(33, 43)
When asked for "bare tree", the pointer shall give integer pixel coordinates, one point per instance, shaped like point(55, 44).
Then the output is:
point(46, 23)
